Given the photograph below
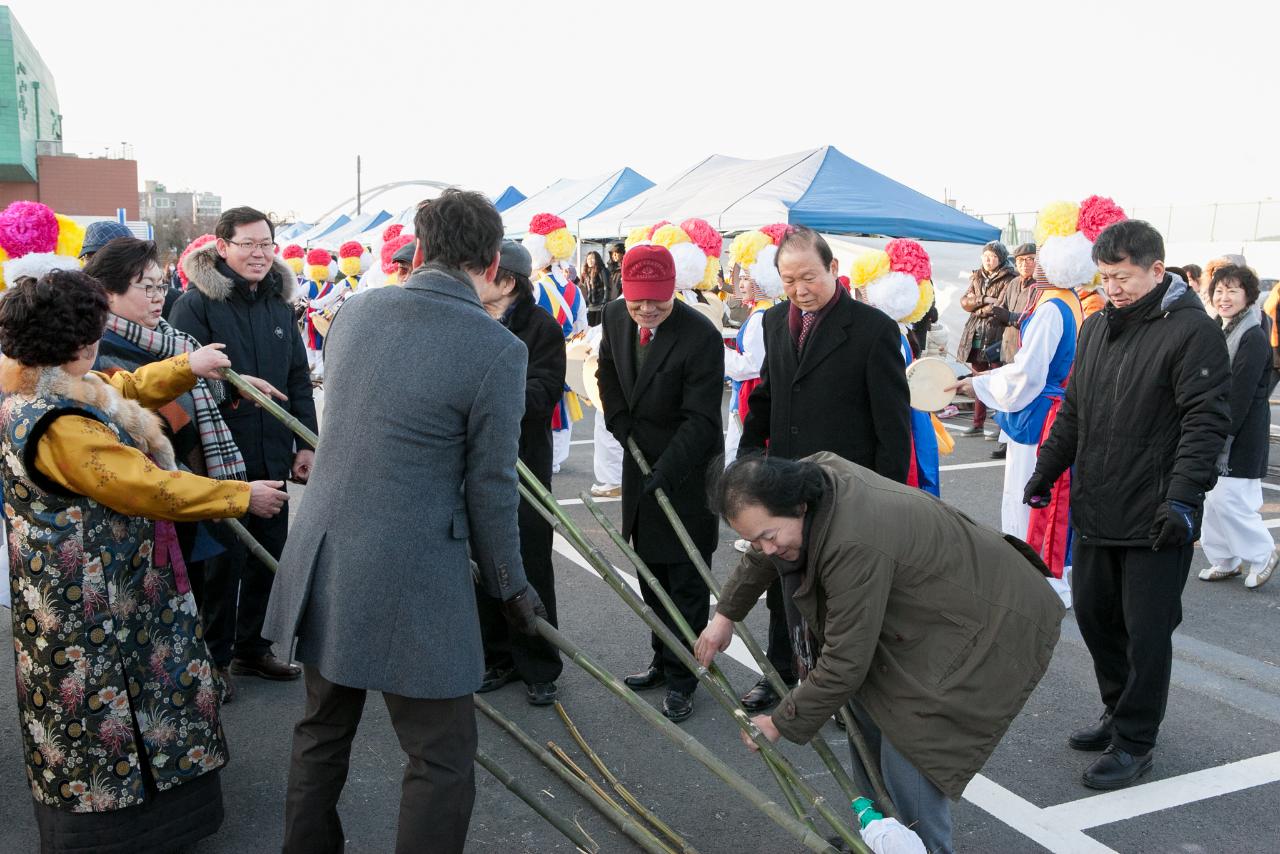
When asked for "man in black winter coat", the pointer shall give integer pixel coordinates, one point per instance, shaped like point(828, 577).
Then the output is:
point(1144, 418)
point(240, 295)
point(833, 379)
point(661, 380)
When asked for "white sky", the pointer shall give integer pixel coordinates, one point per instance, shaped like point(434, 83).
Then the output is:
point(1008, 105)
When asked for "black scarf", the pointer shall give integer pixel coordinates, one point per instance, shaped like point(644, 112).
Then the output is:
point(1120, 319)
point(793, 574)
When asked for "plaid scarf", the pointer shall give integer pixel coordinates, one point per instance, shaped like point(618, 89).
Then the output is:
point(222, 459)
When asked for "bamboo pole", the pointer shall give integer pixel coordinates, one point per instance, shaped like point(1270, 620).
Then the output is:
point(623, 792)
point(725, 698)
point(571, 831)
point(255, 548)
point(625, 824)
point(870, 764)
point(558, 752)
point(643, 570)
point(271, 406)
point(690, 745)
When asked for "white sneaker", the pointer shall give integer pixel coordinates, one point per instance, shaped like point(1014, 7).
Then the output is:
point(1217, 572)
point(743, 546)
point(1258, 575)
point(606, 490)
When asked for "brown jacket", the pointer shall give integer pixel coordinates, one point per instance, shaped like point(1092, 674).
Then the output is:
point(980, 322)
point(938, 626)
point(1016, 297)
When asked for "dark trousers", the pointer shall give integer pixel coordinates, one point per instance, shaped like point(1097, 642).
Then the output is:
point(779, 650)
point(533, 658)
point(693, 600)
point(980, 408)
point(236, 589)
point(439, 787)
point(1128, 601)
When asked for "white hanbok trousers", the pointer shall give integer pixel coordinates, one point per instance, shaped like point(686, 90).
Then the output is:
point(1233, 531)
point(608, 453)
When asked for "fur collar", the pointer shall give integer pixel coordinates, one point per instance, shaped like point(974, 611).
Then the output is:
point(142, 425)
point(202, 270)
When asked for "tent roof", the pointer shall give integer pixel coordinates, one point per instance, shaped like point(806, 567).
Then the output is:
point(359, 228)
point(320, 229)
point(821, 188)
point(574, 199)
point(510, 196)
point(287, 233)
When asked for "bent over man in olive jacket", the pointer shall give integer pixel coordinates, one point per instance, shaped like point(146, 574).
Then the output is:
point(938, 627)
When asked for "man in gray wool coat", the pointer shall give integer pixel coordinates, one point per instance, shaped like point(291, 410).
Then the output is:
point(425, 393)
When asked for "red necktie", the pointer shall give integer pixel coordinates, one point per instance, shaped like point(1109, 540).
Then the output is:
point(646, 335)
point(807, 319)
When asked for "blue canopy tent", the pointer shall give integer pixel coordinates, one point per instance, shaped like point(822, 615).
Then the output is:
point(820, 187)
point(510, 196)
point(574, 199)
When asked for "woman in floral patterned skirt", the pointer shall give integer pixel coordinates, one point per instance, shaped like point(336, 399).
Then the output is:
point(117, 700)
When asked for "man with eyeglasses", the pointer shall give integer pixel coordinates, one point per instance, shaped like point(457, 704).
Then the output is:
point(241, 295)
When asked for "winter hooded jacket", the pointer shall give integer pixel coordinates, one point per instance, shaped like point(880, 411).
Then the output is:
point(1144, 417)
point(940, 627)
point(262, 340)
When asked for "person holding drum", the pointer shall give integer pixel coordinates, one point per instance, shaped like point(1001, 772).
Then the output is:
point(508, 655)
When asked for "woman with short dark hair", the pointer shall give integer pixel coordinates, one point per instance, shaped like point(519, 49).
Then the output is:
point(137, 334)
point(1233, 535)
point(117, 699)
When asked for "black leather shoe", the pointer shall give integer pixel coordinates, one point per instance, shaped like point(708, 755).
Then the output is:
point(1000, 451)
point(761, 697)
point(643, 681)
point(1116, 768)
point(495, 678)
point(541, 693)
point(1096, 737)
point(266, 667)
point(677, 707)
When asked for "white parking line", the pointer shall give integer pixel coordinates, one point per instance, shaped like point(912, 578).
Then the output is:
point(964, 466)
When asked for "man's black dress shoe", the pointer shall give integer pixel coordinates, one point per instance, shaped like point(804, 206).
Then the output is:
point(495, 678)
point(1096, 737)
point(761, 697)
point(651, 678)
point(677, 706)
point(266, 667)
point(541, 693)
point(1116, 768)
point(999, 452)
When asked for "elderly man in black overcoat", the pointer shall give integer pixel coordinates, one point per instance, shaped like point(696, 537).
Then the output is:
point(661, 381)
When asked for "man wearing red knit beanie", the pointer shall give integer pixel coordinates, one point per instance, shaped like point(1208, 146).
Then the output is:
point(661, 381)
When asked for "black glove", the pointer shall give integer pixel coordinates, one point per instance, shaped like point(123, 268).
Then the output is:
point(1038, 491)
point(1002, 314)
point(657, 481)
point(522, 611)
point(1175, 525)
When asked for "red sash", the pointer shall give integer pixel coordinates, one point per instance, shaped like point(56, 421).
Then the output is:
point(1048, 531)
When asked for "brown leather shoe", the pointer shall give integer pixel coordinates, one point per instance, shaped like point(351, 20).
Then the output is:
point(266, 667)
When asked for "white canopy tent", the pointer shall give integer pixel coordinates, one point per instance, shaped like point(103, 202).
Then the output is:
point(573, 199)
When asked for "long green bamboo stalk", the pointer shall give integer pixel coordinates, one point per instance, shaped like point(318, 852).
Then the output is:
point(625, 824)
point(558, 752)
point(623, 792)
point(870, 763)
point(690, 745)
point(255, 548)
point(271, 406)
point(571, 831)
point(726, 699)
point(685, 629)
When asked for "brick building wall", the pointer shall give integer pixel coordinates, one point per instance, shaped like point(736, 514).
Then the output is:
point(87, 186)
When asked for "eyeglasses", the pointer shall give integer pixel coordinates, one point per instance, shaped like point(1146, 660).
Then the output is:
point(250, 245)
point(152, 291)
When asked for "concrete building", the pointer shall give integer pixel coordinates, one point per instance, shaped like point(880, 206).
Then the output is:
point(156, 203)
point(33, 165)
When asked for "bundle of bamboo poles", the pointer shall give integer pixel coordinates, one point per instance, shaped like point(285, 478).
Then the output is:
point(796, 789)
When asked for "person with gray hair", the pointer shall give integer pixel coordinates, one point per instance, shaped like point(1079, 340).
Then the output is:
point(376, 581)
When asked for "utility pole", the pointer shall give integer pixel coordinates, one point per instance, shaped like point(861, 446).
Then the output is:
point(357, 185)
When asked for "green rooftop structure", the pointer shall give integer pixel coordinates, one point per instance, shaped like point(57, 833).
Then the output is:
point(29, 112)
